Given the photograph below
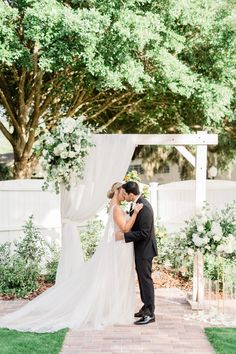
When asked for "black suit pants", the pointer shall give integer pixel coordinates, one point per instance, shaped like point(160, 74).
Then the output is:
point(144, 271)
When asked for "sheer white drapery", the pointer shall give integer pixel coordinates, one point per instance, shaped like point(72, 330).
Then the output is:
point(107, 163)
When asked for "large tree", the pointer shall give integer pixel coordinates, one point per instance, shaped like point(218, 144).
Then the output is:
point(131, 66)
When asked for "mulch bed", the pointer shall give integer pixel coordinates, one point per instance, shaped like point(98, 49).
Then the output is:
point(167, 278)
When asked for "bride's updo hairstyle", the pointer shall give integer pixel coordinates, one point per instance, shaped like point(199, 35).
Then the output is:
point(111, 192)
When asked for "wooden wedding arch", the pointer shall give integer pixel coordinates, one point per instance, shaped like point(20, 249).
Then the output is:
point(201, 140)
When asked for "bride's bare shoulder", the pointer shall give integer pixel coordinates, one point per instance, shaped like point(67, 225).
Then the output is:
point(118, 210)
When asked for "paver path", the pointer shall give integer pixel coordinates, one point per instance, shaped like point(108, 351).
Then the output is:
point(170, 334)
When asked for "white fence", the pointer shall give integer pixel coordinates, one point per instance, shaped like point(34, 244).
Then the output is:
point(173, 203)
point(176, 201)
point(21, 198)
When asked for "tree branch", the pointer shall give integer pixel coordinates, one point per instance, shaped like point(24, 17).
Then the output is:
point(6, 133)
point(104, 126)
point(77, 103)
point(22, 106)
point(109, 103)
point(9, 111)
point(5, 90)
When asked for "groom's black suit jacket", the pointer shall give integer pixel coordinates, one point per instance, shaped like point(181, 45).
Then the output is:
point(142, 232)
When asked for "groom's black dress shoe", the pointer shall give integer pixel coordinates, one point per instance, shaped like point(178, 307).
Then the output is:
point(145, 320)
point(140, 313)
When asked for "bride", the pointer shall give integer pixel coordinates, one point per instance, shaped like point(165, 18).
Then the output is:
point(102, 293)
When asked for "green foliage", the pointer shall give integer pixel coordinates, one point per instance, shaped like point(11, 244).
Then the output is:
point(90, 237)
point(22, 266)
point(172, 252)
point(31, 246)
point(5, 172)
point(17, 278)
point(223, 340)
point(163, 67)
point(31, 343)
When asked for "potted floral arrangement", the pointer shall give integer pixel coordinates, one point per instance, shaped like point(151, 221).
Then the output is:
point(213, 232)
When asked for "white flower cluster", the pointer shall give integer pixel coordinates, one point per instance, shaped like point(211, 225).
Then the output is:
point(62, 151)
point(212, 232)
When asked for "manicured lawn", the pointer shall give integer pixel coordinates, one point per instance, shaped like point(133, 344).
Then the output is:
point(223, 340)
point(14, 342)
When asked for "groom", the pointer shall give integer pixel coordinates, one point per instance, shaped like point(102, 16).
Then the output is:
point(145, 248)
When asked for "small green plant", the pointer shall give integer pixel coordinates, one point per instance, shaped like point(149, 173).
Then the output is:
point(31, 247)
point(90, 237)
point(22, 265)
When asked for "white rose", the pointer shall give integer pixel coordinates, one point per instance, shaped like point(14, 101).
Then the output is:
point(217, 237)
point(64, 154)
point(205, 240)
point(200, 228)
point(190, 251)
point(220, 249)
point(230, 245)
point(49, 140)
point(56, 151)
point(68, 125)
point(72, 154)
point(60, 148)
point(216, 230)
point(77, 147)
point(197, 240)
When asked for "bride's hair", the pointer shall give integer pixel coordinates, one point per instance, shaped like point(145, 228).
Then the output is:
point(111, 192)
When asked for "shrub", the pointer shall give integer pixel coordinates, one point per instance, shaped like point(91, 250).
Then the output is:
point(21, 266)
point(17, 278)
point(90, 237)
point(31, 247)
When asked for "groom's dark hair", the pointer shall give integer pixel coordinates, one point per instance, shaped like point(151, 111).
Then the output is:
point(131, 187)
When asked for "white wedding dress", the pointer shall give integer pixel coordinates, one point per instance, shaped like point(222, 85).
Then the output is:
point(102, 293)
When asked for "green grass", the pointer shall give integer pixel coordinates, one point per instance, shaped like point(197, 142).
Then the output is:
point(223, 340)
point(14, 342)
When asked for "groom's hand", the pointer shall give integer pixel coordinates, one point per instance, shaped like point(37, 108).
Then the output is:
point(119, 236)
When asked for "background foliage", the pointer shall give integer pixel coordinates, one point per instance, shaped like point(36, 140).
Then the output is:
point(131, 67)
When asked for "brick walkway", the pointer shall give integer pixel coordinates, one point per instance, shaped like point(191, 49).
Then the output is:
point(170, 334)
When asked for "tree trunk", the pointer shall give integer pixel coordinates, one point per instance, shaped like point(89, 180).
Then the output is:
point(24, 167)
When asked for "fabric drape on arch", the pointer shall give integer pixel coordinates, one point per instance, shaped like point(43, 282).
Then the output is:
point(107, 163)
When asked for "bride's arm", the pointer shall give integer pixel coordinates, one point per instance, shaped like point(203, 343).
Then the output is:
point(120, 220)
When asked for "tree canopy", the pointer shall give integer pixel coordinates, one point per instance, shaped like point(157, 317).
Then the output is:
point(126, 66)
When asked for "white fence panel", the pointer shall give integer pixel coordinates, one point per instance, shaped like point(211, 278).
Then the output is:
point(176, 201)
point(21, 198)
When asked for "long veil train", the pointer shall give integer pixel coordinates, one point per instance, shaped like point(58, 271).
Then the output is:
point(101, 293)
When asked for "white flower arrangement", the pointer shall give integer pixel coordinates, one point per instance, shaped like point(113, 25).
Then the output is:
point(212, 232)
point(62, 151)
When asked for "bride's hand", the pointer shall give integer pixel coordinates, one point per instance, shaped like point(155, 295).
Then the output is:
point(119, 236)
point(138, 207)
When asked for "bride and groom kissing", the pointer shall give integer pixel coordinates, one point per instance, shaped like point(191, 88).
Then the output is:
point(143, 237)
point(102, 291)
